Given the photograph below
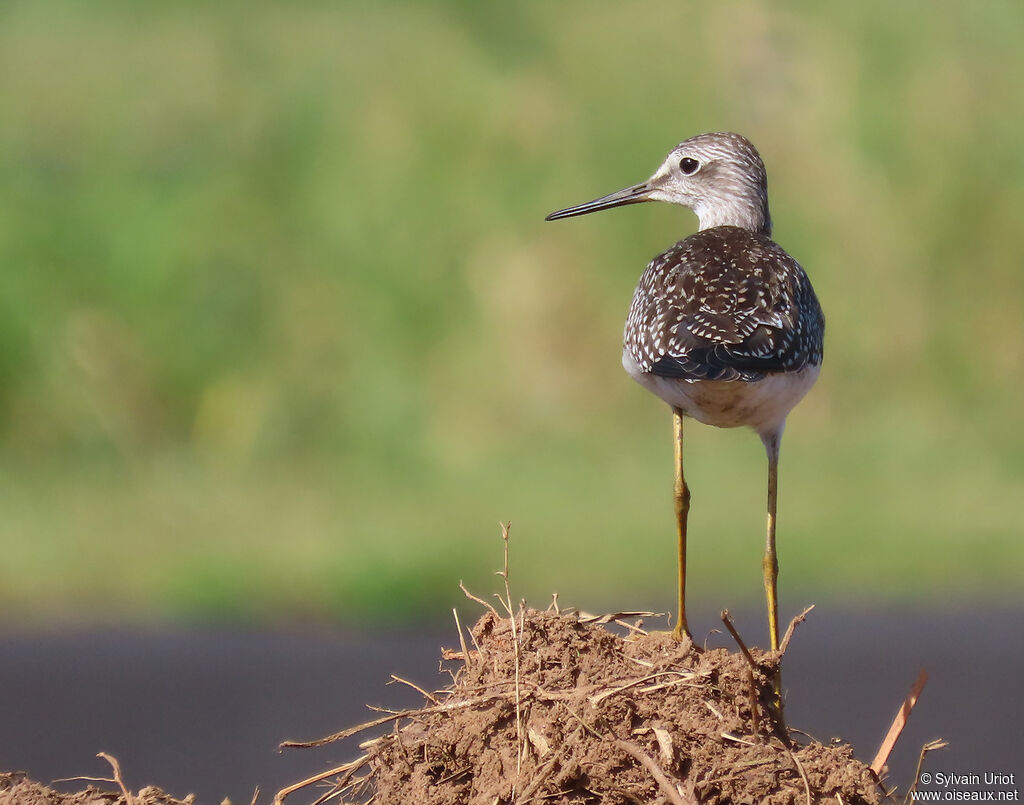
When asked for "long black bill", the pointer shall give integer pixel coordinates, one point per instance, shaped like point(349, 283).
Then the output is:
point(631, 195)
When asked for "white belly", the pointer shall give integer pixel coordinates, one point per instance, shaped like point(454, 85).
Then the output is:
point(759, 404)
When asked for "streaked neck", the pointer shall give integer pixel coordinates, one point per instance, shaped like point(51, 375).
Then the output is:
point(751, 214)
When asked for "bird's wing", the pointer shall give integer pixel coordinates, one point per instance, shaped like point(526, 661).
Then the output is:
point(727, 312)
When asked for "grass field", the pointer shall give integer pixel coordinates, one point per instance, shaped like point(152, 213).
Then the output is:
point(283, 333)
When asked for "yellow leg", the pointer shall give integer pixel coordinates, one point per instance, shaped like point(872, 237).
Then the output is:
point(681, 494)
point(771, 560)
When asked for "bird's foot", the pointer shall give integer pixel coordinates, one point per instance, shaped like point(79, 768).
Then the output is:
point(680, 636)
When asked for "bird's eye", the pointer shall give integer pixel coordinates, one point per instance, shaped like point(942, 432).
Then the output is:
point(688, 165)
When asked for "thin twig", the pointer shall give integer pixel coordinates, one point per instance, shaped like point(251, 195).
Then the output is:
point(928, 747)
point(426, 695)
point(538, 779)
point(792, 628)
point(727, 620)
point(82, 778)
point(485, 604)
point(803, 774)
point(737, 739)
point(394, 716)
point(507, 602)
point(378, 709)
point(586, 726)
point(336, 791)
point(807, 735)
point(454, 775)
point(600, 697)
point(612, 617)
point(346, 769)
point(674, 683)
point(479, 650)
point(755, 715)
point(462, 637)
point(655, 771)
point(128, 798)
point(634, 628)
point(516, 637)
point(898, 723)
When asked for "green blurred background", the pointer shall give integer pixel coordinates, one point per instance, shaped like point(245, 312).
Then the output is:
point(283, 333)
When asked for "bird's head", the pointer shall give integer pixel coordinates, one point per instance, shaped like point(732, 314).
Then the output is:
point(719, 176)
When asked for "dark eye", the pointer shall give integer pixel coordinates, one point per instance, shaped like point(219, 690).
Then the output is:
point(688, 165)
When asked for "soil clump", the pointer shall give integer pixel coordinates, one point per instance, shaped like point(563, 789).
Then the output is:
point(17, 789)
point(545, 707)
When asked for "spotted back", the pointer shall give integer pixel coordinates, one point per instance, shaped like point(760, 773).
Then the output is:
point(724, 304)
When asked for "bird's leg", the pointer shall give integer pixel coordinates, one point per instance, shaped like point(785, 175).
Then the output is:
point(682, 506)
point(771, 568)
point(771, 561)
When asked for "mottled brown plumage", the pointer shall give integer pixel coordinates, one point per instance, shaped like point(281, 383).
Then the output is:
point(724, 304)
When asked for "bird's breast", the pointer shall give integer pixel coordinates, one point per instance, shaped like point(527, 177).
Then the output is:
point(760, 404)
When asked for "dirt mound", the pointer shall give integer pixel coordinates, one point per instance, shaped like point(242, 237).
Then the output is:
point(547, 708)
point(17, 789)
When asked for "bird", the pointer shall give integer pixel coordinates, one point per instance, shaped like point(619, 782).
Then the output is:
point(724, 325)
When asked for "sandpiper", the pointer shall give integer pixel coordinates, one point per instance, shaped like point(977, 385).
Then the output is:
point(724, 325)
